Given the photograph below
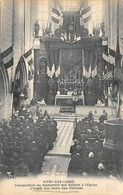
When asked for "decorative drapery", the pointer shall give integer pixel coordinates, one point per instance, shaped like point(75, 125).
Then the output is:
point(89, 62)
point(81, 62)
point(71, 60)
point(53, 65)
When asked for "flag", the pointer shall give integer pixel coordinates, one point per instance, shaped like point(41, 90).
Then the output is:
point(78, 38)
point(118, 56)
point(87, 19)
point(93, 62)
point(55, 11)
point(112, 56)
point(54, 19)
point(85, 13)
point(57, 62)
point(51, 65)
point(87, 63)
point(105, 54)
point(86, 10)
point(64, 36)
point(55, 15)
point(28, 57)
point(7, 57)
point(49, 69)
point(115, 72)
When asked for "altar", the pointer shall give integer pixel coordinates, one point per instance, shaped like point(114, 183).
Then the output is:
point(72, 59)
point(69, 100)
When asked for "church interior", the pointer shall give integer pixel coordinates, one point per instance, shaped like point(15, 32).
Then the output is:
point(61, 88)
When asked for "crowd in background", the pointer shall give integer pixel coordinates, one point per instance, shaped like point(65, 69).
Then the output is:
point(88, 156)
point(24, 142)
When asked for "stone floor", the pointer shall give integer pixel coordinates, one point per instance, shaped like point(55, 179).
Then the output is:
point(57, 160)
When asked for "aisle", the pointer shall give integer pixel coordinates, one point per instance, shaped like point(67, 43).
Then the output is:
point(57, 160)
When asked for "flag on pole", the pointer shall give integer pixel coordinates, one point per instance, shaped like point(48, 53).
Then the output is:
point(86, 14)
point(7, 57)
point(94, 67)
point(118, 56)
point(105, 50)
point(57, 62)
point(87, 63)
point(51, 65)
point(64, 36)
point(55, 15)
point(111, 56)
point(28, 57)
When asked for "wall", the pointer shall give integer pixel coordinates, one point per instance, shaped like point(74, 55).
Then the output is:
point(16, 30)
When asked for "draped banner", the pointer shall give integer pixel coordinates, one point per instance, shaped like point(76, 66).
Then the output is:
point(53, 65)
point(62, 61)
point(90, 63)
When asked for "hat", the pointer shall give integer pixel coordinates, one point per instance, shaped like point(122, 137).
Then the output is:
point(89, 130)
point(30, 116)
point(75, 141)
point(86, 142)
point(100, 166)
point(34, 121)
point(77, 154)
point(91, 155)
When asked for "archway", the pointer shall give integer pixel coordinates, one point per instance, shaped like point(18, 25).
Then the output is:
point(4, 82)
point(20, 87)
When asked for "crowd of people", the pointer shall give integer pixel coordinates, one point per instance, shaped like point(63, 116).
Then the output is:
point(24, 142)
point(88, 156)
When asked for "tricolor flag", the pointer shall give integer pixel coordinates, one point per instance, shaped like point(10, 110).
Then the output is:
point(28, 56)
point(85, 13)
point(49, 70)
point(7, 57)
point(118, 56)
point(51, 65)
point(57, 62)
point(78, 38)
point(93, 64)
point(55, 15)
point(87, 63)
point(112, 56)
point(105, 49)
point(64, 36)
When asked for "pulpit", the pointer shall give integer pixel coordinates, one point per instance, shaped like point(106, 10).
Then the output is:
point(113, 142)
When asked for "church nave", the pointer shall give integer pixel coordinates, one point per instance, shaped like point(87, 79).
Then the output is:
point(57, 160)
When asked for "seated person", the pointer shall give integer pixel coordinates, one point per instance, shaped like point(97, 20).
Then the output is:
point(75, 92)
point(42, 102)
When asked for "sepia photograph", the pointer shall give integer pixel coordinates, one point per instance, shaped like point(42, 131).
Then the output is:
point(61, 97)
